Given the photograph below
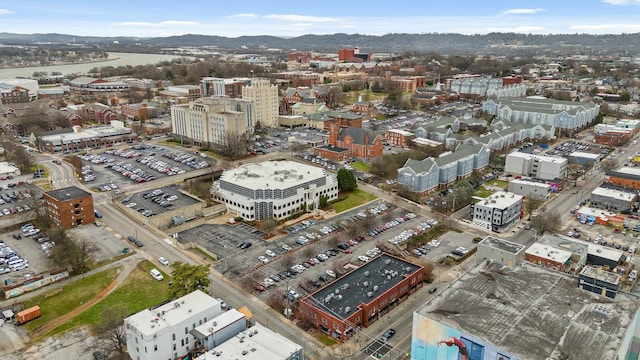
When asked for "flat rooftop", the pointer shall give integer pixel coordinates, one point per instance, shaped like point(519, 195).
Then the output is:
point(544, 158)
point(586, 155)
point(613, 193)
point(150, 321)
point(532, 313)
point(342, 297)
point(502, 244)
point(500, 200)
point(601, 274)
point(68, 193)
point(255, 343)
point(273, 175)
point(550, 253)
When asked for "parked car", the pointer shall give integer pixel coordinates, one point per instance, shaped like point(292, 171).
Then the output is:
point(388, 334)
point(163, 261)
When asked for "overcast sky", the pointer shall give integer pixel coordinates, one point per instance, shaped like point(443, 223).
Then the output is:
point(293, 18)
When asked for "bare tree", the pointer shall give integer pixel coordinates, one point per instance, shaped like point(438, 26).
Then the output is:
point(609, 164)
point(268, 225)
point(532, 203)
point(235, 144)
point(547, 222)
point(111, 331)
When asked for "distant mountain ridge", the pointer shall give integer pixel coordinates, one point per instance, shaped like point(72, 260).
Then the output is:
point(436, 42)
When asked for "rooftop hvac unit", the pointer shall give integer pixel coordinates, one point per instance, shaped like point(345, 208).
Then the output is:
point(375, 288)
point(388, 277)
point(339, 297)
point(347, 309)
point(366, 273)
point(369, 294)
point(365, 284)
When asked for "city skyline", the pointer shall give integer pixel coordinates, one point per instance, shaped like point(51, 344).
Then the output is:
point(150, 19)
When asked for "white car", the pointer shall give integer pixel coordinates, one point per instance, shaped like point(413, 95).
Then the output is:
point(363, 258)
point(163, 261)
point(331, 273)
point(263, 259)
point(286, 247)
point(270, 253)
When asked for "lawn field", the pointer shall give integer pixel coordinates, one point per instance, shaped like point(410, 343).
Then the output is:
point(356, 198)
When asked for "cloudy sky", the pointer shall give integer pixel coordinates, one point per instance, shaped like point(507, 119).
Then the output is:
point(279, 18)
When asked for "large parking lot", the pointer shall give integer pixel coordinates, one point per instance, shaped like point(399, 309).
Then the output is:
point(112, 169)
point(17, 197)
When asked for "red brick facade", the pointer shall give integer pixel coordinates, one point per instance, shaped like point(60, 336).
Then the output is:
point(69, 207)
point(398, 138)
point(14, 96)
point(100, 113)
point(359, 143)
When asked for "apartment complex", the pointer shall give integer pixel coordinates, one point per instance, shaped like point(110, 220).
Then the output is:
point(568, 115)
point(425, 175)
point(220, 86)
point(265, 101)
point(208, 121)
point(273, 189)
point(165, 332)
point(69, 207)
point(536, 166)
point(498, 212)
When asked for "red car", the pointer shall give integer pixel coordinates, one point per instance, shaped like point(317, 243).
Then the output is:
point(346, 251)
point(259, 288)
point(632, 216)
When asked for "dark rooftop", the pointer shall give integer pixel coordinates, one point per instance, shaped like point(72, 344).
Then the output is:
point(68, 193)
point(533, 313)
point(342, 297)
point(332, 148)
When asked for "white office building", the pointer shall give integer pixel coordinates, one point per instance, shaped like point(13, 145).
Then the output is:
point(165, 332)
point(535, 166)
point(498, 211)
point(207, 122)
point(256, 343)
point(530, 189)
point(273, 189)
point(265, 101)
point(220, 329)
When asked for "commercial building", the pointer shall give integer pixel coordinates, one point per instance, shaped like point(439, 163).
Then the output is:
point(497, 212)
point(216, 331)
point(628, 177)
point(79, 139)
point(8, 170)
point(208, 122)
point(535, 166)
point(529, 189)
point(496, 312)
point(164, 332)
point(553, 258)
point(583, 158)
point(273, 189)
point(362, 296)
point(85, 85)
point(566, 115)
point(31, 85)
point(265, 101)
point(613, 199)
point(256, 343)
point(69, 207)
point(600, 281)
point(503, 251)
point(557, 244)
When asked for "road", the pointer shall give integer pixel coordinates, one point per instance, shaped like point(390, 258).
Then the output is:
point(158, 244)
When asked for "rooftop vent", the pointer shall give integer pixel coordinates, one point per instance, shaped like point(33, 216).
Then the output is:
point(366, 273)
point(375, 288)
point(369, 294)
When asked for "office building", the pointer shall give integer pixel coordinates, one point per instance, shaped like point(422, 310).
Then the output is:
point(498, 212)
point(69, 207)
point(273, 189)
point(165, 332)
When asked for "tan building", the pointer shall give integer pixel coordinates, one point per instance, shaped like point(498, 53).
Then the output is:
point(207, 121)
point(69, 207)
point(265, 101)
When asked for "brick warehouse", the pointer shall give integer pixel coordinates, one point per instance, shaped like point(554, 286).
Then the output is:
point(361, 297)
point(69, 207)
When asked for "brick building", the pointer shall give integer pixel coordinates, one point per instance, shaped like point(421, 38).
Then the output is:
point(99, 113)
point(628, 177)
point(11, 94)
point(69, 207)
point(398, 137)
point(361, 297)
point(360, 143)
point(138, 111)
point(367, 108)
point(301, 57)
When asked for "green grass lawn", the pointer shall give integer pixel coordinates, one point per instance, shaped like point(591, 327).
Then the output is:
point(325, 339)
point(483, 192)
point(138, 292)
point(58, 302)
point(355, 198)
point(499, 183)
point(359, 165)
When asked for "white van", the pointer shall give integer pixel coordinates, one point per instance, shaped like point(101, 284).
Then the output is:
point(16, 262)
point(156, 274)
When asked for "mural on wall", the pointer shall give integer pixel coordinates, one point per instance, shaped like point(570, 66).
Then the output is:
point(433, 340)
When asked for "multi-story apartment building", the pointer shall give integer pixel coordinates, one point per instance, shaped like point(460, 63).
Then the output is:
point(98, 112)
point(567, 115)
point(536, 166)
point(207, 122)
point(138, 111)
point(219, 86)
point(498, 211)
point(265, 101)
point(166, 332)
point(12, 94)
point(273, 189)
point(429, 174)
point(69, 207)
point(398, 137)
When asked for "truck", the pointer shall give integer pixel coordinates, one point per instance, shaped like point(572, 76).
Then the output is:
point(28, 314)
